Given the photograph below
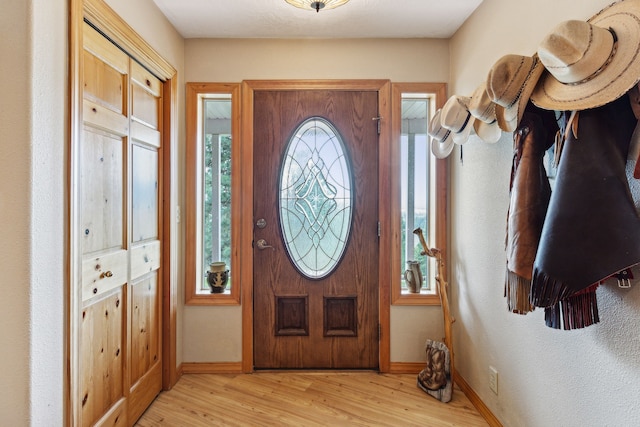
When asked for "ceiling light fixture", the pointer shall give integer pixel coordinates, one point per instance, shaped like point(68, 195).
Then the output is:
point(316, 5)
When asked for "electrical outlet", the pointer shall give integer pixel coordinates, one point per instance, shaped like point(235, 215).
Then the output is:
point(493, 379)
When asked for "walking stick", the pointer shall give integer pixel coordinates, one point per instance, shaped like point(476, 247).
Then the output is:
point(442, 289)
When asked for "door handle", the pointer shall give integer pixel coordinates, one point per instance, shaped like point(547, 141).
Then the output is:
point(262, 244)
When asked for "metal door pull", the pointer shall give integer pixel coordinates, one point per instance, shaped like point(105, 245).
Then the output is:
point(262, 244)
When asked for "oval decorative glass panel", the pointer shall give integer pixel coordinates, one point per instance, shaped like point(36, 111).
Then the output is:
point(316, 199)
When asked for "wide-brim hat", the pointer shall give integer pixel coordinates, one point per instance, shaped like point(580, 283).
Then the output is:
point(442, 149)
point(487, 132)
point(441, 140)
point(484, 110)
point(510, 83)
point(591, 63)
point(456, 117)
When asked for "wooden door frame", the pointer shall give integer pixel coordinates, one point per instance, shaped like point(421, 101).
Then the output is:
point(249, 87)
point(103, 18)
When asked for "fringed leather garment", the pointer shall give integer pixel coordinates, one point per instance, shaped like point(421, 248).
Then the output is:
point(591, 230)
point(529, 199)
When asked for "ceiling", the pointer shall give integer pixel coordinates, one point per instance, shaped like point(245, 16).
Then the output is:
point(356, 19)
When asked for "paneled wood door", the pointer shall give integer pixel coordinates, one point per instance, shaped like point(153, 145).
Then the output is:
point(120, 325)
point(315, 181)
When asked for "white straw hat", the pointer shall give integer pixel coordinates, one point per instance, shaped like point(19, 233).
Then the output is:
point(441, 141)
point(484, 110)
point(488, 132)
point(591, 63)
point(456, 117)
point(509, 85)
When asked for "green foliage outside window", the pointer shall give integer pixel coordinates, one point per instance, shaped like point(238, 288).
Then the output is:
point(216, 229)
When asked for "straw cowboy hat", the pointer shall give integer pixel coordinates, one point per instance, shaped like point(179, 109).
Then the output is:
point(591, 63)
point(484, 110)
point(509, 85)
point(456, 117)
point(441, 142)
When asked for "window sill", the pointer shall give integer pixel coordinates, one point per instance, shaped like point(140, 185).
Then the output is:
point(408, 298)
point(229, 297)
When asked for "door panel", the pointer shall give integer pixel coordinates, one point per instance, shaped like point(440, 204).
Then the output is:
point(102, 273)
point(146, 91)
point(145, 258)
point(144, 180)
point(145, 106)
point(106, 72)
point(145, 336)
point(101, 117)
point(103, 356)
point(103, 172)
point(302, 322)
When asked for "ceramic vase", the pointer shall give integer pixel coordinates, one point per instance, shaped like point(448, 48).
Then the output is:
point(217, 277)
point(413, 277)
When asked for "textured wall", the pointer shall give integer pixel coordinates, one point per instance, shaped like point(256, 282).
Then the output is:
point(47, 207)
point(546, 377)
point(32, 202)
point(14, 202)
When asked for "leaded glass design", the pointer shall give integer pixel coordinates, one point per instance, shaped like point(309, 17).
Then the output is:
point(316, 198)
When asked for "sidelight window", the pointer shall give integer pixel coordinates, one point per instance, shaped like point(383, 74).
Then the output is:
point(212, 156)
point(416, 204)
point(415, 173)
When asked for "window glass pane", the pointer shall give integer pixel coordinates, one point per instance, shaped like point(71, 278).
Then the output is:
point(216, 170)
point(415, 175)
point(315, 198)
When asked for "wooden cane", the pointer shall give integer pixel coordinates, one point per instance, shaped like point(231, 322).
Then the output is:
point(442, 289)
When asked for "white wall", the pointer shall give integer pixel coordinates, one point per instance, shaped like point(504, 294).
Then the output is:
point(15, 168)
point(33, 66)
point(234, 60)
point(547, 377)
point(48, 115)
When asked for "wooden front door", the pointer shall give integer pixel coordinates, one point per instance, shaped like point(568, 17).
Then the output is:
point(315, 283)
point(120, 366)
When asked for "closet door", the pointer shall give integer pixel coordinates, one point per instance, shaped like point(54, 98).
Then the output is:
point(120, 324)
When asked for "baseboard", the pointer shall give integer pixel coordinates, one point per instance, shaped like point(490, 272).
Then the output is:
point(406, 367)
point(212, 368)
point(476, 401)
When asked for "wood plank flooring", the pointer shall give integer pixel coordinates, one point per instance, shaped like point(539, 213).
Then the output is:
point(306, 399)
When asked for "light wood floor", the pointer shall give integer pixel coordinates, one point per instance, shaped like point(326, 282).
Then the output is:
point(306, 399)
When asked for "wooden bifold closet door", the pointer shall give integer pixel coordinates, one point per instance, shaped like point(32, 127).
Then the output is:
point(120, 363)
